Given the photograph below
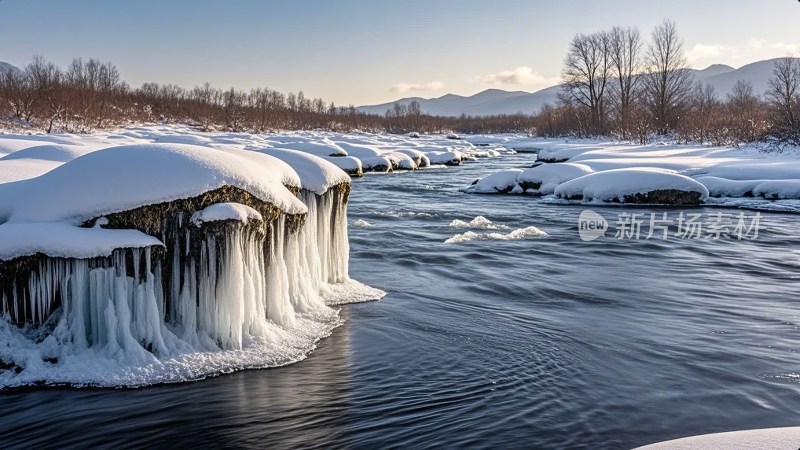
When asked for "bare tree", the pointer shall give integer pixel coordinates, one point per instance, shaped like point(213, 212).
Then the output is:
point(585, 76)
point(625, 48)
point(668, 83)
point(747, 113)
point(783, 95)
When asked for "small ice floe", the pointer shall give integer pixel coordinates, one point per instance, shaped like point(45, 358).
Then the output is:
point(522, 233)
point(361, 223)
point(479, 222)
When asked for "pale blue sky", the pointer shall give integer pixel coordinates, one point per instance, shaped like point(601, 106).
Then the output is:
point(371, 51)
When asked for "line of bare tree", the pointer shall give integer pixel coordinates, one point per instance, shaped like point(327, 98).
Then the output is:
point(89, 95)
point(616, 84)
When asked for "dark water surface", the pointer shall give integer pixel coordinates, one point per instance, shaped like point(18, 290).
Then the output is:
point(535, 343)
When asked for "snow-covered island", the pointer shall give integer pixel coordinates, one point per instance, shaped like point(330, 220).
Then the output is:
point(587, 171)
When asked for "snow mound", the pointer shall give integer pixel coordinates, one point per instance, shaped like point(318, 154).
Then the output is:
point(350, 165)
point(316, 174)
point(521, 233)
point(50, 152)
point(502, 182)
point(226, 211)
point(60, 240)
point(479, 222)
point(778, 189)
point(546, 177)
point(723, 187)
point(123, 178)
point(376, 164)
point(22, 169)
point(625, 185)
point(768, 438)
point(448, 158)
point(401, 161)
point(323, 147)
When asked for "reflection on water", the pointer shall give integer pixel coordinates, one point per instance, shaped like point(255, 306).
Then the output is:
point(289, 407)
point(545, 342)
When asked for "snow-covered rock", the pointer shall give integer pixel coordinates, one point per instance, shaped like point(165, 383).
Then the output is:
point(349, 164)
point(639, 185)
point(123, 178)
point(544, 178)
point(448, 158)
point(316, 174)
point(502, 182)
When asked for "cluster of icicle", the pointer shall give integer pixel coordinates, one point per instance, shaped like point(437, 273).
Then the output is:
point(219, 301)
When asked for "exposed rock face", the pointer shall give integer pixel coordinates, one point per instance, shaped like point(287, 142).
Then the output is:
point(529, 186)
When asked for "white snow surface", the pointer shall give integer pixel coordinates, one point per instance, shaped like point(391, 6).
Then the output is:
point(617, 183)
point(498, 182)
point(61, 240)
point(551, 175)
point(761, 439)
point(126, 177)
point(742, 177)
point(316, 174)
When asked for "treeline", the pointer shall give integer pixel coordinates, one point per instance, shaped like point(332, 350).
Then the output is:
point(614, 83)
point(91, 94)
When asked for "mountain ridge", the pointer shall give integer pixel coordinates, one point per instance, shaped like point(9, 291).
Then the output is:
point(495, 101)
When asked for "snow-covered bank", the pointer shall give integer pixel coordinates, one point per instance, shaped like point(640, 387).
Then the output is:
point(672, 174)
point(133, 260)
point(769, 438)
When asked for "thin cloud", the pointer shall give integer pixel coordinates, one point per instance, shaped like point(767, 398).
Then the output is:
point(407, 87)
point(746, 52)
point(522, 75)
point(763, 44)
point(705, 51)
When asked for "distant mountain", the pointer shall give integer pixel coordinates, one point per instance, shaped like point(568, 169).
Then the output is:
point(757, 73)
point(6, 66)
point(498, 101)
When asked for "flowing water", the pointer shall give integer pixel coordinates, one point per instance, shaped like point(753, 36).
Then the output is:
point(507, 340)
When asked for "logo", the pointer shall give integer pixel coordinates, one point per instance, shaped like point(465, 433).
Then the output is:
point(591, 225)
